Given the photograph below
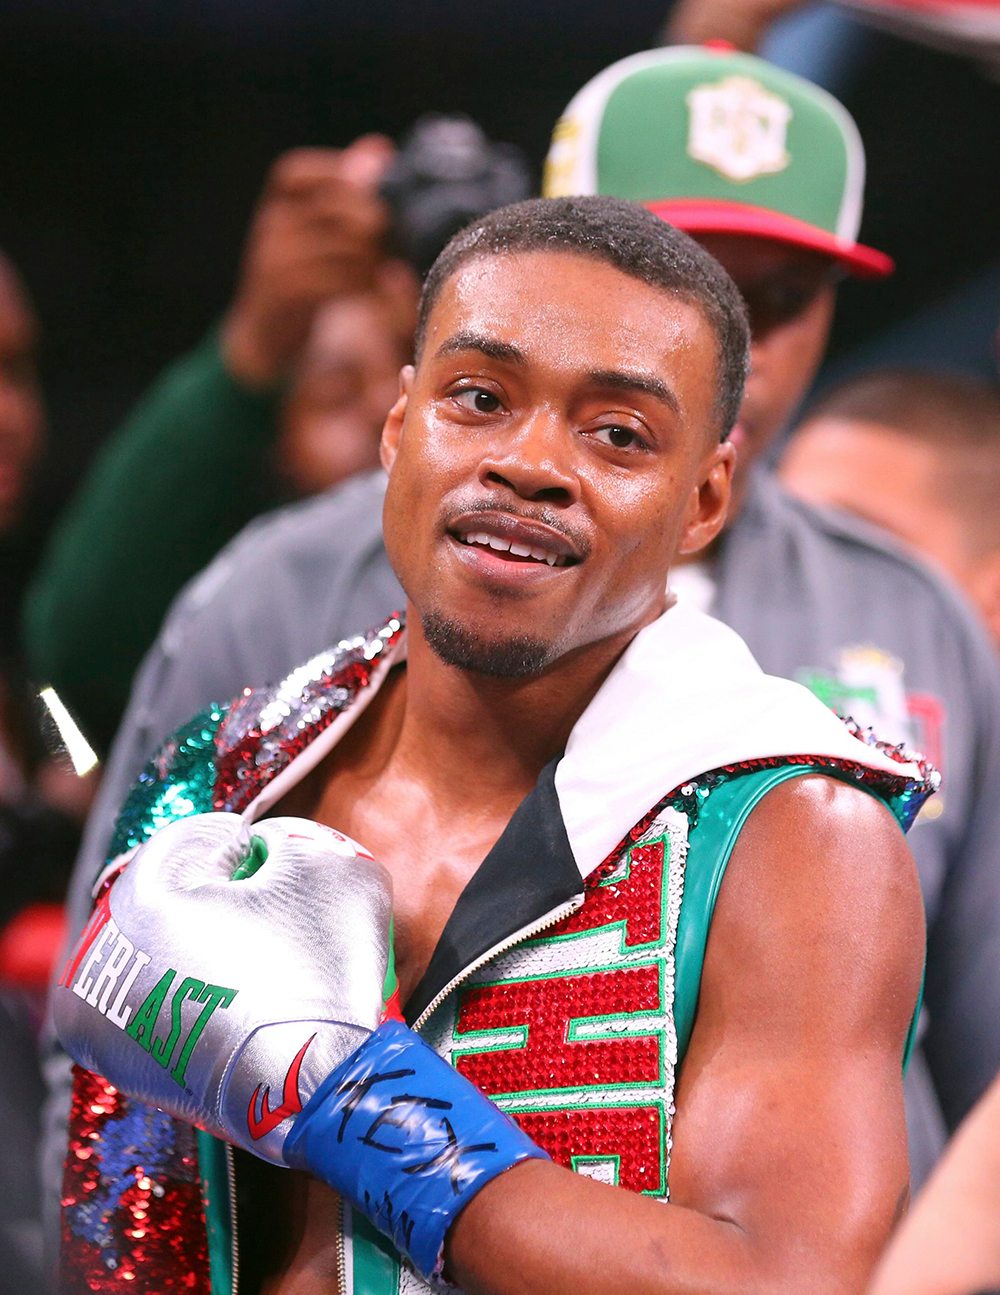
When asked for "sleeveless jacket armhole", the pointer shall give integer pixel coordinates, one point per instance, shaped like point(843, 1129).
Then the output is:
point(711, 843)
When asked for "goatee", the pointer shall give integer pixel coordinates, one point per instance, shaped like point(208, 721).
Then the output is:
point(509, 658)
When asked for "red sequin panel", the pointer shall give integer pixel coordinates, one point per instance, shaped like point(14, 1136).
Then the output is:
point(546, 1007)
point(243, 770)
point(636, 900)
point(633, 1133)
point(132, 1212)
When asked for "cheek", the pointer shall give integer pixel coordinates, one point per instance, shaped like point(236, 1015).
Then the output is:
point(804, 341)
point(429, 463)
point(434, 458)
point(638, 519)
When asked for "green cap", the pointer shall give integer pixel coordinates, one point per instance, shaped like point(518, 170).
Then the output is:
point(715, 141)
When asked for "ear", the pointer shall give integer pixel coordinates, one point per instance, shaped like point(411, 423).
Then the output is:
point(708, 505)
point(392, 429)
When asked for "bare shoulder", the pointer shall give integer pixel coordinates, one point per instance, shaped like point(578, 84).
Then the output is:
point(819, 832)
point(822, 896)
point(790, 1096)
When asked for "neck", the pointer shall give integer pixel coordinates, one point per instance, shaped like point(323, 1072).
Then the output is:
point(473, 736)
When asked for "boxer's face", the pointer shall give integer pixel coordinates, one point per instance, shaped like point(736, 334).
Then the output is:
point(554, 451)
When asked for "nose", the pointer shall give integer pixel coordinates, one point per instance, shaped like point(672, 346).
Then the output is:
point(535, 459)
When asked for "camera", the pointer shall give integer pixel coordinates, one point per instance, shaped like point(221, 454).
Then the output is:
point(446, 174)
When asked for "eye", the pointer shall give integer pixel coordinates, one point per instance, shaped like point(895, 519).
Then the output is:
point(478, 399)
point(619, 437)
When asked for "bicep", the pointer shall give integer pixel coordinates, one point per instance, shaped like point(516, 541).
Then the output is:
point(789, 1108)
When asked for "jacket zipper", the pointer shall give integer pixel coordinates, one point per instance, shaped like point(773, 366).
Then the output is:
point(341, 1249)
point(234, 1240)
point(519, 937)
point(526, 933)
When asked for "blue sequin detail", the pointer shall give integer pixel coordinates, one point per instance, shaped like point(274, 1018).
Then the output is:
point(143, 1139)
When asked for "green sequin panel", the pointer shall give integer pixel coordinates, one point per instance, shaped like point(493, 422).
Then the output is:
point(177, 782)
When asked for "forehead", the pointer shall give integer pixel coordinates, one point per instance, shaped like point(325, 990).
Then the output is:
point(572, 309)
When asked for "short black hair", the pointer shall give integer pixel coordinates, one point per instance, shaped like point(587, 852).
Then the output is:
point(633, 240)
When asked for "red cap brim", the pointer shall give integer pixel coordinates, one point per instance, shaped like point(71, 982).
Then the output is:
point(715, 216)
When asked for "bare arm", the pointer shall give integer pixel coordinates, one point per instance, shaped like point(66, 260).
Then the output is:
point(950, 1244)
point(789, 1163)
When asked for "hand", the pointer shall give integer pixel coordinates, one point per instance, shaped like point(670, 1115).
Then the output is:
point(243, 981)
point(317, 234)
point(229, 970)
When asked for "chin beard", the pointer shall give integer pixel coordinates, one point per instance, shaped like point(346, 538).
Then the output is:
point(511, 658)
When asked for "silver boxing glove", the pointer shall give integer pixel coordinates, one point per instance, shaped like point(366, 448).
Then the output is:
point(229, 970)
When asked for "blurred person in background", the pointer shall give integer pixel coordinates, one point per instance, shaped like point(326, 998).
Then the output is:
point(949, 1243)
point(344, 381)
point(286, 397)
point(917, 454)
point(42, 800)
point(768, 173)
point(21, 417)
point(921, 79)
point(41, 804)
point(969, 27)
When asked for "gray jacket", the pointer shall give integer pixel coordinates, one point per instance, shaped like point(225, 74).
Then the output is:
point(818, 597)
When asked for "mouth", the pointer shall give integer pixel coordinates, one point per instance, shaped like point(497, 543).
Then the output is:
point(514, 540)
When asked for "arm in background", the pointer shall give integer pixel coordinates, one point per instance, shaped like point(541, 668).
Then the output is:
point(949, 1244)
point(191, 466)
point(183, 474)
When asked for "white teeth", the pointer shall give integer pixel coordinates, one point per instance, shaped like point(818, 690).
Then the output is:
point(518, 550)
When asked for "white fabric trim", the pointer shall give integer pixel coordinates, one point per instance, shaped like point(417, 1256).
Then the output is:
point(686, 697)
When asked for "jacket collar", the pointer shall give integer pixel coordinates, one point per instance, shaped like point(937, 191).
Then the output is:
point(687, 697)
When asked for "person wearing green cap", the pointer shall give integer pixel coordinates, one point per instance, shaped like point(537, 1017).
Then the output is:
point(777, 188)
point(767, 171)
point(763, 168)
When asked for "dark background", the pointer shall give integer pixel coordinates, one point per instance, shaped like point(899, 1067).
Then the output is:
point(136, 134)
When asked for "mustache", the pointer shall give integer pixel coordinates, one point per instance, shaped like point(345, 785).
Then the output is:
point(460, 506)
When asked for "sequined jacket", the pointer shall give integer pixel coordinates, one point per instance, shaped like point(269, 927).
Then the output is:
point(566, 994)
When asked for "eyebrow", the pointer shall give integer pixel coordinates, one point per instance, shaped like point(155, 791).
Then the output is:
point(491, 347)
point(645, 384)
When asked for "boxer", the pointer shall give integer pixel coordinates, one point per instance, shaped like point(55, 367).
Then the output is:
point(657, 935)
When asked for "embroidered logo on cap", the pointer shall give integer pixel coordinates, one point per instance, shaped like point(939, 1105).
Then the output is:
point(739, 128)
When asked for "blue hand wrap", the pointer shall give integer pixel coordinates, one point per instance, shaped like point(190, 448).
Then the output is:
point(407, 1139)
